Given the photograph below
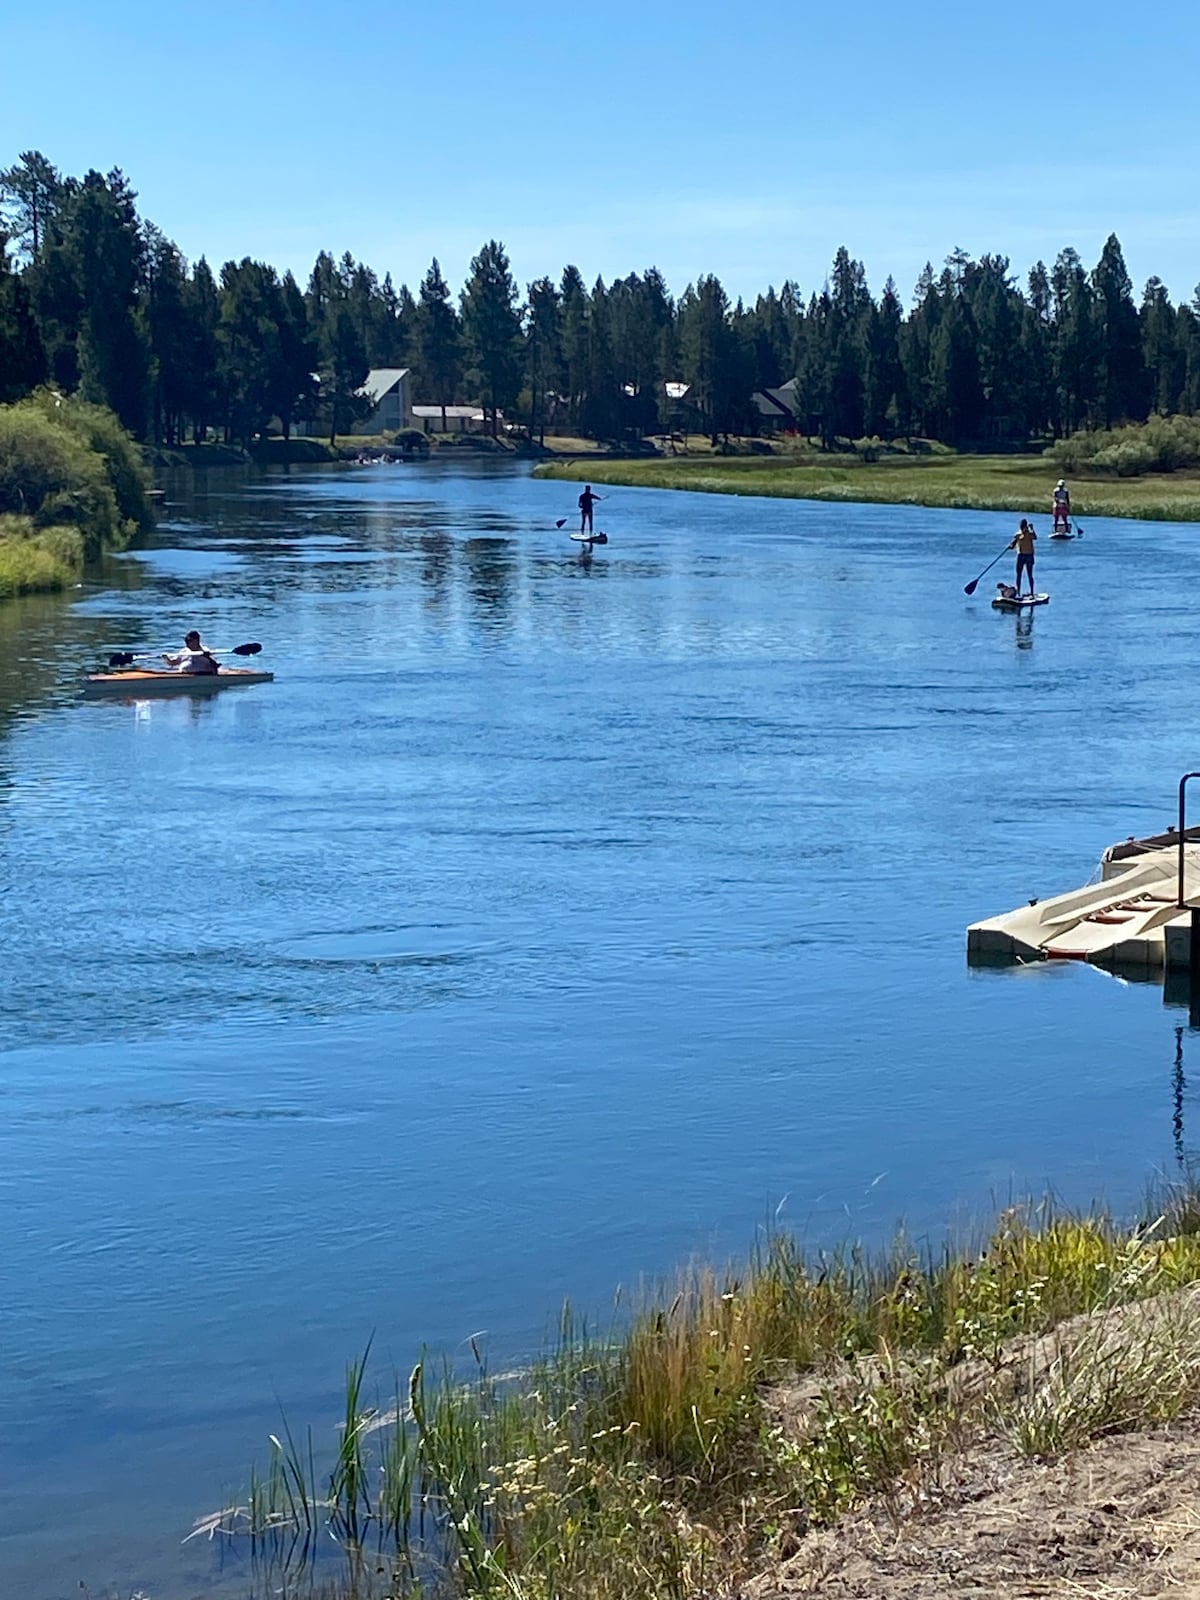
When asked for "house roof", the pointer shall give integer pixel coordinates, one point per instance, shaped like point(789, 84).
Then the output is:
point(472, 413)
point(382, 380)
point(775, 402)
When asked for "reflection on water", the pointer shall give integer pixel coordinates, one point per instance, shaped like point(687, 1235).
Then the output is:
point(1178, 1084)
point(544, 922)
point(492, 572)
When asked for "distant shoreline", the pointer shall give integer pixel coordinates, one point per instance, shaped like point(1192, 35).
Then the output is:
point(1020, 484)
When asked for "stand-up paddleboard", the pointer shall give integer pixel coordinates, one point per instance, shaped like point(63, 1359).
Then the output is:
point(1004, 602)
point(590, 538)
point(1063, 533)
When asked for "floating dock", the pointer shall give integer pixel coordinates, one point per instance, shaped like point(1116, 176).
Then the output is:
point(1137, 915)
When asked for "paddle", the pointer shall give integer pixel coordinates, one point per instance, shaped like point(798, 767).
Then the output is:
point(561, 523)
point(126, 658)
point(970, 588)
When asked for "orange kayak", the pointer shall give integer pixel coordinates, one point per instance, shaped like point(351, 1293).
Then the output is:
point(135, 681)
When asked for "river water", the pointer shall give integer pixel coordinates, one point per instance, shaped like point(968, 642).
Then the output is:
point(543, 923)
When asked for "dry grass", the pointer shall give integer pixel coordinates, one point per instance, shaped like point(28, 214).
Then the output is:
point(744, 1411)
point(997, 483)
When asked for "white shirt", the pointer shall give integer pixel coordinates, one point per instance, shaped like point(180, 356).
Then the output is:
point(189, 660)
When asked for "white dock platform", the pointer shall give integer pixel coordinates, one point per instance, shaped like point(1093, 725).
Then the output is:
point(1130, 918)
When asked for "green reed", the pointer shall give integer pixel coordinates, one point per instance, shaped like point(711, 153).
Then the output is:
point(734, 1409)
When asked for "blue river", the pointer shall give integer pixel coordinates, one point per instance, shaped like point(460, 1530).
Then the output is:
point(546, 922)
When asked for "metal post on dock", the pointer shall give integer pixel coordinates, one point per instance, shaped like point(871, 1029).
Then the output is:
point(1180, 899)
point(1181, 903)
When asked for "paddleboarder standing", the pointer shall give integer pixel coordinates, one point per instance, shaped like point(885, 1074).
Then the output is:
point(586, 501)
point(1023, 542)
point(1062, 507)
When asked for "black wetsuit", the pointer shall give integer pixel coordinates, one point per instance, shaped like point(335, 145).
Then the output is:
point(586, 501)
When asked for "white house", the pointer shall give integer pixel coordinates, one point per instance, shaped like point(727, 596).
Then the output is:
point(459, 419)
point(390, 393)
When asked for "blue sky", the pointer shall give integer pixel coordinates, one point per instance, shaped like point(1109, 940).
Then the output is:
point(749, 142)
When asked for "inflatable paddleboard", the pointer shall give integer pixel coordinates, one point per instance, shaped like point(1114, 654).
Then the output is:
point(1004, 603)
point(590, 538)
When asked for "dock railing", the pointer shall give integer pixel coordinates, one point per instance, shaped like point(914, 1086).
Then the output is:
point(1181, 899)
point(1181, 902)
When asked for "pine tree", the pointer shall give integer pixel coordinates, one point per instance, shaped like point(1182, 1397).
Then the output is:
point(250, 347)
point(343, 370)
point(22, 359)
point(1189, 348)
point(1161, 355)
point(883, 384)
point(847, 329)
point(202, 398)
point(710, 362)
point(600, 406)
point(166, 322)
point(30, 193)
point(438, 339)
point(574, 340)
point(293, 384)
point(492, 328)
point(1122, 379)
point(543, 348)
point(105, 251)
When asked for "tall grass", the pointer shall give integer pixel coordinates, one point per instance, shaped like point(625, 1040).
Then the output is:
point(36, 561)
point(1020, 484)
point(739, 1409)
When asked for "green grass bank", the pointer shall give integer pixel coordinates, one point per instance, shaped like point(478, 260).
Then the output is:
point(1020, 484)
point(34, 561)
point(72, 484)
point(732, 1417)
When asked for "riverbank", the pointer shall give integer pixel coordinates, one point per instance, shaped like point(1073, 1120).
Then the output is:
point(72, 484)
point(835, 1425)
point(1020, 484)
point(34, 561)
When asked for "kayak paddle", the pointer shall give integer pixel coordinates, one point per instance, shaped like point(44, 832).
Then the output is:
point(126, 658)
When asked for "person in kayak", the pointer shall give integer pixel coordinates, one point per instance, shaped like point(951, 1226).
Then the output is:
point(1023, 541)
point(193, 658)
point(1062, 507)
point(586, 501)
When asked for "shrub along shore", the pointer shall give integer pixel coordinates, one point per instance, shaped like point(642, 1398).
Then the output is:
point(736, 1418)
point(72, 484)
point(1150, 471)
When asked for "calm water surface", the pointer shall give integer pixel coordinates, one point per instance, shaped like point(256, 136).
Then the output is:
point(543, 923)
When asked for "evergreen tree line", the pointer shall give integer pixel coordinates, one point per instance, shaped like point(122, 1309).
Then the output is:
point(96, 300)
